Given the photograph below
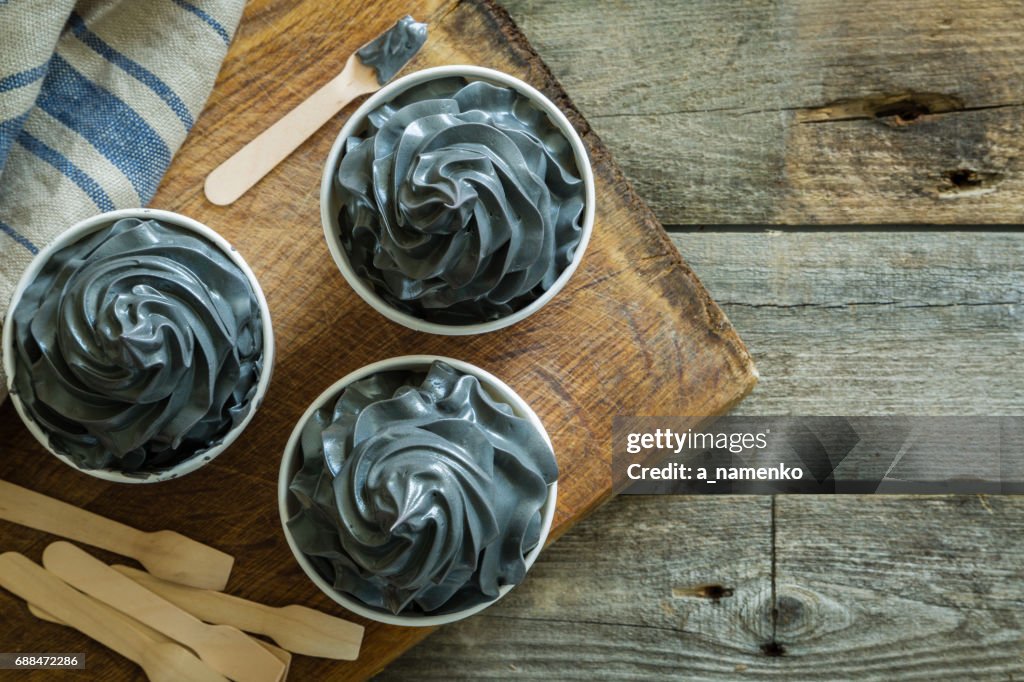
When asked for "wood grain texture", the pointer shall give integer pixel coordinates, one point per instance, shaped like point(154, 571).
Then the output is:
point(847, 587)
point(924, 589)
point(800, 111)
point(877, 322)
point(633, 332)
point(624, 596)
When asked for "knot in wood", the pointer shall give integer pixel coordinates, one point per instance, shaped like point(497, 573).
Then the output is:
point(801, 614)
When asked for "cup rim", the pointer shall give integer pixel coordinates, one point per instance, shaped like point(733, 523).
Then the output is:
point(289, 465)
point(329, 206)
point(74, 234)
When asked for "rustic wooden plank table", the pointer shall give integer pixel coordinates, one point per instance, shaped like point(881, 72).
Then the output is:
point(812, 112)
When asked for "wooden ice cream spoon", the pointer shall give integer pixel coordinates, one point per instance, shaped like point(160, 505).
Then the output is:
point(152, 634)
point(296, 628)
point(161, 661)
point(164, 553)
point(225, 649)
point(233, 178)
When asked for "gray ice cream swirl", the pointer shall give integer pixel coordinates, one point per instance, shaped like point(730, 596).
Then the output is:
point(137, 347)
point(391, 50)
point(419, 493)
point(461, 202)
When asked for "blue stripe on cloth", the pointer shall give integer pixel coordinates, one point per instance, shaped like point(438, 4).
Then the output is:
point(65, 166)
point(132, 68)
point(115, 129)
point(9, 130)
point(18, 237)
point(213, 23)
point(23, 78)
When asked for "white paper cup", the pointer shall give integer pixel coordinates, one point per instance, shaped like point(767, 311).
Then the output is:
point(292, 462)
point(329, 205)
point(72, 235)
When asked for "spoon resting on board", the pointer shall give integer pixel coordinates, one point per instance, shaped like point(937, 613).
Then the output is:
point(369, 68)
point(161, 661)
point(227, 650)
point(150, 633)
point(299, 629)
point(164, 553)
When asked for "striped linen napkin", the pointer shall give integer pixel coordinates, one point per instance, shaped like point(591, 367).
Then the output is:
point(96, 96)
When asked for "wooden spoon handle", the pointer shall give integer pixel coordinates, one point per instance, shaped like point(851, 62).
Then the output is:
point(164, 553)
point(163, 659)
point(226, 650)
point(296, 628)
point(36, 585)
point(42, 614)
point(90, 575)
point(35, 510)
point(235, 176)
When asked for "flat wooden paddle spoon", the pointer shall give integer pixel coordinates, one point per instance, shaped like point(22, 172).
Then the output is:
point(151, 634)
point(233, 178)
point(164, 553)
point(296, 628)
point(161, 661)
point(248, 165)
point(225, 649)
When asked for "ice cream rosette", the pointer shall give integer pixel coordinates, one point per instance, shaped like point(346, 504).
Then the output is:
point(137, 347)
point(461, 202)
point(419, 492)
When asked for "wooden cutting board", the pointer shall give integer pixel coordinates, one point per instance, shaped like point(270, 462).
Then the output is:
point(633, 333)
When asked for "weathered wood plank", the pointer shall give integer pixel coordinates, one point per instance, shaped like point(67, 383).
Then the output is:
point(883, 588)
point(866, 588)
point(711, 106)
point(859, 323)
point(901, 269)
point(731, 54)
point(625, 594)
